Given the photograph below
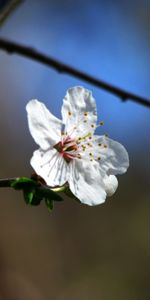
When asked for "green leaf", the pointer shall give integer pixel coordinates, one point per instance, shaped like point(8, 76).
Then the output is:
point(46, 192)
point(34, 192)
point(49, 204)
point(28, 196)
point(31, 197)
point(23, 182)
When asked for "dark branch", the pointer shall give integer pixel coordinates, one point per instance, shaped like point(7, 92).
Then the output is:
point(12, 47)
point(6, 182)
point(8, 9)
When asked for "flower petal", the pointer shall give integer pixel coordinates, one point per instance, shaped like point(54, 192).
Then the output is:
point(51, 166)
point(44, 127)
point(111, 184)
point(85, 182)
point(114, 158)
point(79, 112)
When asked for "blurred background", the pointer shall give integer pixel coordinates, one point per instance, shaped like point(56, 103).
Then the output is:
point(77, 252)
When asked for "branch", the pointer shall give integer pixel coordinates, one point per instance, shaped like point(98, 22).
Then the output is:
point(31, 53)
point(8, 9)
point(7, 182)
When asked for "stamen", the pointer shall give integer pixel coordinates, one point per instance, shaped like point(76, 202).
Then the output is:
point(89, 144)
point(86, 114)
point(69, 146)
point(83, 147)
point(83, 138)
point(79, 121)
point(101, 123)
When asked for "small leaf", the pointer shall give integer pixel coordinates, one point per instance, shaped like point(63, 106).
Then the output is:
point(31, 197)
point(46, 192)
point(23, 182)
point(34, 192)
point(49, 204)
point(28, 196)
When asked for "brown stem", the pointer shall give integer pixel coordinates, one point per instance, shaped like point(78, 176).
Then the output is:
point(31, 53)
point(6, 182)
point(8, 9)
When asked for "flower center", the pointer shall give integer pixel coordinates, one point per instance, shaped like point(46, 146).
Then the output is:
point(67, 148)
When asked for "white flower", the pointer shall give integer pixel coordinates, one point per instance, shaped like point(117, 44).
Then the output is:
point(70, 152)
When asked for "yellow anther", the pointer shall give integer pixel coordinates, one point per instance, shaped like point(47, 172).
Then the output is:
point(85, 114)
point(83, 138)
point(101, 123)
point(105, 146)
point(69, 113)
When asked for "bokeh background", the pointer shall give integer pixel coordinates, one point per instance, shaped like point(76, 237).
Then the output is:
point(77, 252)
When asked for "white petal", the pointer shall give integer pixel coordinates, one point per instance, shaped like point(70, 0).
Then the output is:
point(114, 158)
point(111, 184)
point(51, 166)
point(85, 182)
point(77, 102)
point(44, 127)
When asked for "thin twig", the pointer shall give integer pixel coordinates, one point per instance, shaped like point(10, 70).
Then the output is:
point(8, 9)
point(6, 182)
point(12, 47)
